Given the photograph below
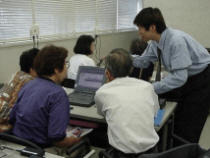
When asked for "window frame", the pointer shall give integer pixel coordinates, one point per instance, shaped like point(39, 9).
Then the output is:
point(65, 36)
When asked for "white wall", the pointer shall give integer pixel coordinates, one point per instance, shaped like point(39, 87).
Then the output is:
point(9, 56)
point(191, 16)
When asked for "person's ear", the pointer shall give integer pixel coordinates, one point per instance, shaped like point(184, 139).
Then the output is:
point(153, 27)
point(56, 71)
point(109, 76)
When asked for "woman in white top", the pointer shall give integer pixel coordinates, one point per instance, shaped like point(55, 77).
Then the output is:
point(83, 49)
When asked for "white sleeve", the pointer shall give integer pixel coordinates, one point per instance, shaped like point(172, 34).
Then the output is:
point(99, 105)
point(156, 102)
point(173, 80)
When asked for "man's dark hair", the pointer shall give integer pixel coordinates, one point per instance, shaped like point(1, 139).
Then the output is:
point(83, 45)
point(138, 46)
point(50, 58)
point(27, 59)
point(149, 16)
point(119, 63)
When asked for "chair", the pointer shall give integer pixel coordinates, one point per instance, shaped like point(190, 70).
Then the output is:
point(192, 150)
point(21, 141)
point(1, 85)
point(81, 148)
point(68, 83)
point(17, 140)
point(204, 140)
point(104, 154)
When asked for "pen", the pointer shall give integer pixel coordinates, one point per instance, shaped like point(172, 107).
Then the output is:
point(79, 134)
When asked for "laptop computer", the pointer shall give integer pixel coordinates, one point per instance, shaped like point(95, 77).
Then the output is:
point(162, 103)
point(88, 80)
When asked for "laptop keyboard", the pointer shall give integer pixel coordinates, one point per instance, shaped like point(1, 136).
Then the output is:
point(81, 99)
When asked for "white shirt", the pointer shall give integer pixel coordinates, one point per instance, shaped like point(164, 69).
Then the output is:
point(76, 61)
point(129, 106)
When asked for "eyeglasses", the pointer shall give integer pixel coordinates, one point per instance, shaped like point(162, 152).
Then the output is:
point(67, 64)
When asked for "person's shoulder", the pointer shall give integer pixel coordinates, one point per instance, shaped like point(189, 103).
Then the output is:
point(21, 78)
point(75, 56)
point(105, 87)
point(139, 82)
point(88, 58)
point(87, 61)
point(56, 90)
point(176, 37)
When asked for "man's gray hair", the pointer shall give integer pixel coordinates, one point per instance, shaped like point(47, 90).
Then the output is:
point(119, 63)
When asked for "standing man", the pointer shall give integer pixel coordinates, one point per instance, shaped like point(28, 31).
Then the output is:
point(187, 62)
point(129, 106)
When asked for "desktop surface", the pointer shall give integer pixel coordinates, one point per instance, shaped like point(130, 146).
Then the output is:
point(16, 154)
point(90, 113)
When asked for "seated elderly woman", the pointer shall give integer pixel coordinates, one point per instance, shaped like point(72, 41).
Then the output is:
point(41, 113)
point(137, 47)
point(9, 92)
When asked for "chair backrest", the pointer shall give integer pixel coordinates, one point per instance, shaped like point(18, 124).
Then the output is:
point(17, 140)
point(1, 85)
point(68, 83)
point(204, 140)
point(185, 151)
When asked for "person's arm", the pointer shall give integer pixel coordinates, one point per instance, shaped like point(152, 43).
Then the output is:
point(59, 119)
point(156, 102)
point(67, 142)
point(173, 80)
point(13, 113)
point(99, 105)
point(146, 58)
point(180, 61)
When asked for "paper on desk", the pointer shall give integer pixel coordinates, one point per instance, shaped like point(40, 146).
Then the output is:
point(159, 118)
point(74, 131)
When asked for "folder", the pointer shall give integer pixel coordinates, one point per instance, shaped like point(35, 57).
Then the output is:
point(159, 118)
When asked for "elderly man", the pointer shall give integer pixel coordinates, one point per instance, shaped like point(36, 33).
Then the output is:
point(129, 106)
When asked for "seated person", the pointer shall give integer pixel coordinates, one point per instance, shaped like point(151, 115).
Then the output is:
point(9, 92)
point(41, 113)
point(129, 106)
point(83, 49)
point(137, 48)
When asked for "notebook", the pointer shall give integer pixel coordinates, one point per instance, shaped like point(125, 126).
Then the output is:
point(159, 118)
point(88, 80)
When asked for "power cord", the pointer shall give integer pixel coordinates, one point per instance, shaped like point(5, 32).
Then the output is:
point(35, 41)
point(98, 51)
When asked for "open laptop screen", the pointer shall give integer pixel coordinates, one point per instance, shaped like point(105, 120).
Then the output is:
point(89, 79)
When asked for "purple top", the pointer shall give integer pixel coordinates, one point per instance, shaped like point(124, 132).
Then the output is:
point(41, 113)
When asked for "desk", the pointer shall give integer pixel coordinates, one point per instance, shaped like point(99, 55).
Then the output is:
point(90, 114)
point(20, 147)
point(169, 110)
point(167, 125)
